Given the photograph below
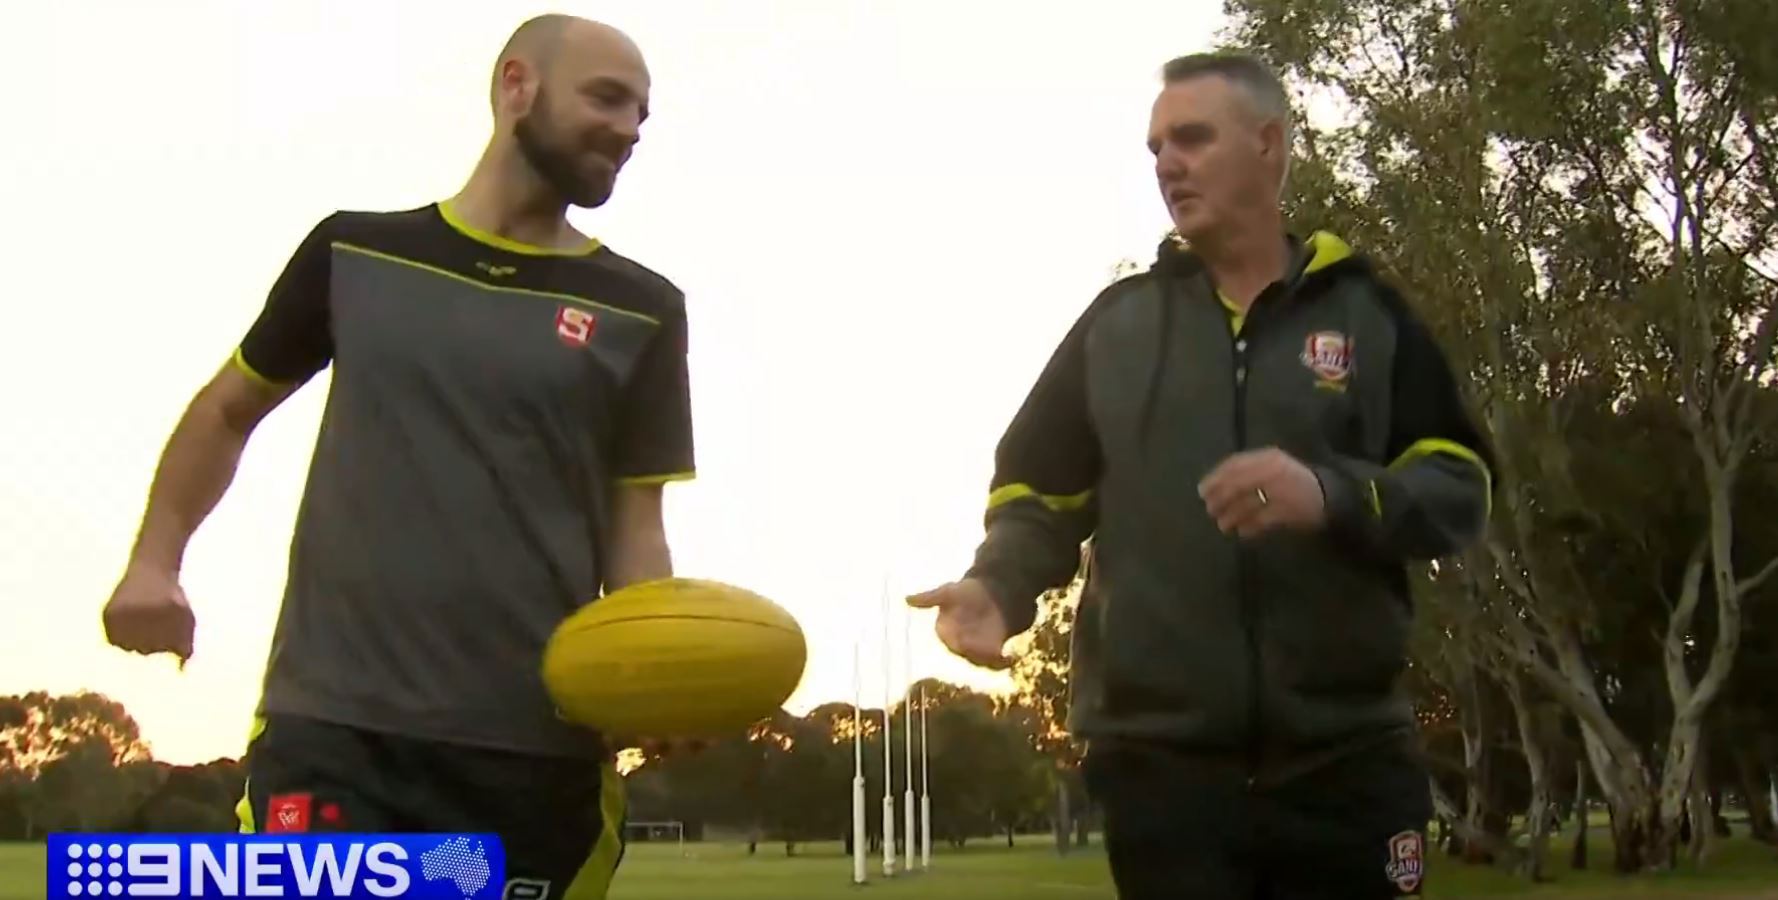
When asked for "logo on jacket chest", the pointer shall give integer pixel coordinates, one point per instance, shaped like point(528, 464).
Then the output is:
point(1328, 354)
point(1407, 861)
point(575, 326)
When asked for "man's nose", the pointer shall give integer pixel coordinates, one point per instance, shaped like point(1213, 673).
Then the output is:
point(1169, 164)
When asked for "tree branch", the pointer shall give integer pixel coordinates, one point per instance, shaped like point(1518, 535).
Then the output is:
point(1679, 625)
point(1752, 583)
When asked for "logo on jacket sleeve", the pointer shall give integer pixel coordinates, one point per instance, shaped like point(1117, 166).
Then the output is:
point(1329, 355)
point(1406, 861)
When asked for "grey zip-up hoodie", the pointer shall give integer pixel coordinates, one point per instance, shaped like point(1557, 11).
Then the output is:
point(1272, 650)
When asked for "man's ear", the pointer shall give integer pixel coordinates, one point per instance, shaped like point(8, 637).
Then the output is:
point(1271, 140)
point(515, 87)
point(1276, 150)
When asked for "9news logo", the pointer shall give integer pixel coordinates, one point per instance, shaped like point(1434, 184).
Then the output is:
point(453, 866)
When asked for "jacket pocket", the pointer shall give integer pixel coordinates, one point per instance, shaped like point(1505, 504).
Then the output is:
point(1335, 632)
point(1171, 660)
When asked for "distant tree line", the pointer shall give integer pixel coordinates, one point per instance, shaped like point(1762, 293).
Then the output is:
point(789, 781)
point(77, 763)
point(996, 766)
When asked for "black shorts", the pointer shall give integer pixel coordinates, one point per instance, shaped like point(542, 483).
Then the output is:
point(1180, 826)
point(560, 820)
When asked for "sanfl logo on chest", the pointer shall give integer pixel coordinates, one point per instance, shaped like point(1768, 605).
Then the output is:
point(1328, 354)
point(575, 326)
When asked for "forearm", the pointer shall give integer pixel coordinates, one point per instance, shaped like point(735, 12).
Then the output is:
point(638, 557)
point(638, 547)
point(1028, 550)
point(196, 468)
point(1428, 507)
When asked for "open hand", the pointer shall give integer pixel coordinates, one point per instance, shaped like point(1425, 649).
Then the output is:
point(1253, 492)
point(969, 622)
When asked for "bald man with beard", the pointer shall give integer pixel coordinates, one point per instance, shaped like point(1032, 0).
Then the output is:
point(508, 398)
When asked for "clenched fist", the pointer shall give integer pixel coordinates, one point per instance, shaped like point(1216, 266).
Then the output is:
point(148, 614)
point(1256, 491)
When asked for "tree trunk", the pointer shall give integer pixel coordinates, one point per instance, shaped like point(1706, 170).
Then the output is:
point(1684, 763)
point(790, 848)
point(1537, 814)
point(1489, 846)
point(1691, 702)
point(1634, 820)
point(1618, 765)
point(1473, 724)
point(1703, 815)
point(1703, 837)
point(1719, 824)
point(1063, 818)
point(1578, 859)
point(1009, 836)
point(1629, 794)
point(1755, 791)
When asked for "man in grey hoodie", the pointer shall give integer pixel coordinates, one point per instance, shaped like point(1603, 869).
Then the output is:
point(1258, 437)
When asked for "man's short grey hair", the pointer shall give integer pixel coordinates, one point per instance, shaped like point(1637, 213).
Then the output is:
point(1263, 87)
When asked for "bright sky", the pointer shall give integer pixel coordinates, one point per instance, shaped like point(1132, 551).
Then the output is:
point(885, 214)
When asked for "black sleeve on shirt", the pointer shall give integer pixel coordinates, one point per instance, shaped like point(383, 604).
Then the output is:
point(654, 436)
point(1041, 505)
point(1435, 496)
point(292, 339)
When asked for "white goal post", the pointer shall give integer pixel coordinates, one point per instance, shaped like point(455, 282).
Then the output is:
point(650, 832)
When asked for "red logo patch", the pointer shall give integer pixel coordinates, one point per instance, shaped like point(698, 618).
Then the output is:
point(575, 326)
point(1406, 861)
point(1328, 354)
point(288, 812)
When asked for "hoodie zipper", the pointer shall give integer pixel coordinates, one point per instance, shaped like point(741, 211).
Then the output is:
point(1249, 614)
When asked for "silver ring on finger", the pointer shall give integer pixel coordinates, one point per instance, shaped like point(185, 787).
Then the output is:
point(1263, 500)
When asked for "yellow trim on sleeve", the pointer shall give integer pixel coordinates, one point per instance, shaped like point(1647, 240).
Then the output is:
point(246, 369)
point(240, 361)
point(508, 244)
point(1008, 493)
point(646, 480)
point(1429, 446)
point(1376, 499)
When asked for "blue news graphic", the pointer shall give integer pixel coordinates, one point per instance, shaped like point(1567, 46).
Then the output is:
point(446, 866)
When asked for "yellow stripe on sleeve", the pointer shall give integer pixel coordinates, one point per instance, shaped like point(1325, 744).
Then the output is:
point(648, 480)
point(1429, 446)
point(240, 361)
point(1008, 493)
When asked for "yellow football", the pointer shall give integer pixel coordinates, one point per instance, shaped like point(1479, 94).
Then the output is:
point(674, 658)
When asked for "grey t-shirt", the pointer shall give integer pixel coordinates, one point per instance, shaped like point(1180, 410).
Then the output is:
point(486, 398)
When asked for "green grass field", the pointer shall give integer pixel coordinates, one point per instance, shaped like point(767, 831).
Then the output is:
point(1742, 870)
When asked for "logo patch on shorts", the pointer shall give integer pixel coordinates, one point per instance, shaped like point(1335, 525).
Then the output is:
point(1329, 355)
point(1406, 861)
point(526, 889)
point(288, 812)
